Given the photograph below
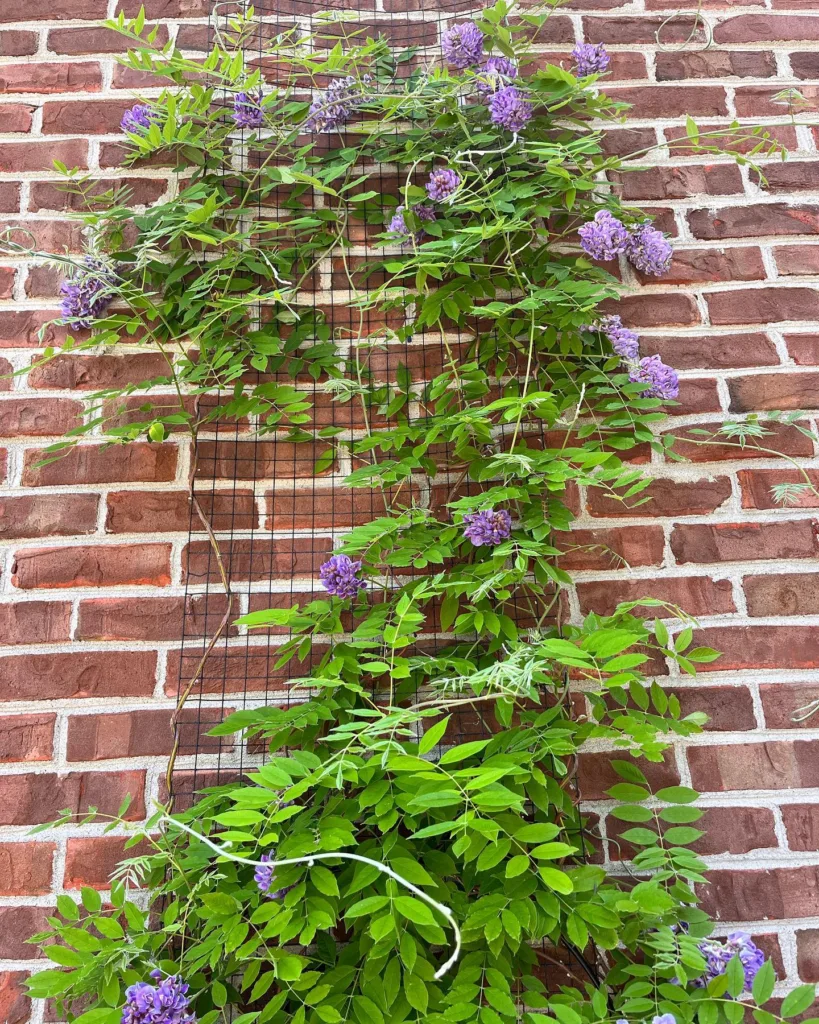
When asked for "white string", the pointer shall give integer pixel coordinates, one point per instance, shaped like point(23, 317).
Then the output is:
point(308, 860)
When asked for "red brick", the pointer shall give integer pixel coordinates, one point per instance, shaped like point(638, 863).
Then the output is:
point(729, 708)
point(140, 734)
point(25, 868)
point(612, 548)
point(656, 310)
point(249, 460)
point(38, 417)
point(696, 595)
point(792, 176)
point(676, 66)
point(652, 101)
point(623, 142)
point(763, 647)
point(9, 197)
point(170, 511)
point(751, 221)
point(783, 765)
point(681, 182)
point(85, 117)
point(740, 542)
point(17, 924)
point(780, 438)
point(34, 622)
point(17, 157)
point(690, 266)
point(47, 515)
point(49, 235)
point(807, 952)
point(32, 799)
point(47, 195)
point(85, 566)
point(257, 559)
point(93, 373)
point(97, 464)
point(16, 116)
point(92, 861)
point(40, 10)
point(595, 774)
point(763, 305)
point(17, 43)
point(697, 395)
point(734, 830)
point(150, 618)
point(92, 39)
point(22, 329)
point(781, 701)
point(773, 391)
point(794, 260)
point(15, 1006)
point(26, 737)
point(7, 277)
point(803, 348)
point(715, 351)
point(238, 670)
point(667, 498)
point(78, 674)
point(51, 77)
point(773, 28)
point(625, 30)
point(742, 140)
point(341, 509)
point(805, 64)
point(757, 487)
point(769, 101)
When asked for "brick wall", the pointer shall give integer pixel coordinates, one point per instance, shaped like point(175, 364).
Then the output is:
point(91, 595)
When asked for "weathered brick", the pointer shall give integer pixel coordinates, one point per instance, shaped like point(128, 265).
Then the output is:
point(92, 39)
point(170, 511)
point(17, 117)
point(96, 464)
point(763, 305)
point(595, 774)
point(782, 765)
point(26, 737)
point(763, 647)
point(696, 595)
point(781, 701)
point(625, 30)
point(77, 674)
point(734, 830)
point(15, 1006)
point(86, 117)
point(796, 260)
point(740, 542)
point(47, 515)
point(805, 63)
point(666, 498)
point(34, 622)
point(682, 65)
point(92, 861)
point(755, 220)
point(257, 559)
point(86, 566)
point(249, 460)
point(26, 328)
point(51, 77)
point(715, 351)
point(100, 737)
point(803, 348)
point(16, 157)
point(672, 101)
point(25, 868)
point(238, 670)
point(807, 953)
point(32, 799)
point(17, 924)
point(698, 447)
point(774, 101)
point(656, 310)
point(729, 708)
point(47, 195)
point(94, 373)
point(757, 487)
point(38, 417)
point(691, 266)
point(17, 43)
point(681, 182)
point(612, 548)
point(767, 28)
point(150, 618)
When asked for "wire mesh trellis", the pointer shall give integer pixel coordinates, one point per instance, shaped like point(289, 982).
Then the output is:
point(263, 519)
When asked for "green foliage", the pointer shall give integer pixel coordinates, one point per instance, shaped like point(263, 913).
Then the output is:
point(452, 764)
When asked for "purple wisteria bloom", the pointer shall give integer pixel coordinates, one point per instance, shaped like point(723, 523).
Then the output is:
point(495, 72)
point(626, 343)
point(138, 119)
point(719, 954)
point(664, 1018)
point(335, 106)
point(604, 237)
point(660, 381)
point(442, 183)
point(649, 250)
point(488, 527)
point(165, 1003)
point(590, 59)
point(339, 576)
point(509, 108)
point(265, 875)
point(462, 45)
point(87, 292)
point(247, 109)
point(398, 224)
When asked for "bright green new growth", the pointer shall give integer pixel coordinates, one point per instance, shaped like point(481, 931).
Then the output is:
point(450, 764)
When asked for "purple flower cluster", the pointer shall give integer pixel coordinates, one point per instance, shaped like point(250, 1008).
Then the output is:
point(604, 237)
point(265, 876)
point(165, 1003)
point(462, 45)
point(398, 224)
point(495, 73)
point(247, 110)
point(335, 105)
point(590, 59)
point(138, 119)
point(489, 527)
point(509, 108)
point(442, 183)
point(649, 250)
point(87, 292)
point(625, 342)
point(719, 954)
point(646, 248)
point(339, 576)
point(660, 380)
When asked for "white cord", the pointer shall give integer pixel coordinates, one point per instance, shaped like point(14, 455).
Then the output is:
point(222, 851)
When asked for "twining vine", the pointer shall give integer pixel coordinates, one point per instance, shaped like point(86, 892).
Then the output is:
point(330, 884)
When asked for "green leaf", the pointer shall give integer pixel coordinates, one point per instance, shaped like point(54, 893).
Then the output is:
point(516, 866)
point(367, 906)
point(414, 910)
point(629, 771)
point(541, 832)
point(416, 992)
point(681, 835)
point(677, 795)
point(798, 1000)
point(99, 1015)
point(433, 736)
point(557, 880)
point(764, 983)
point(91, 899)
point(735, 973)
